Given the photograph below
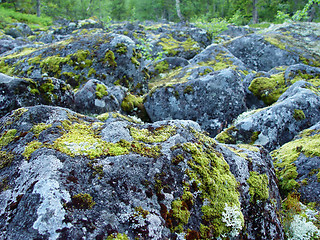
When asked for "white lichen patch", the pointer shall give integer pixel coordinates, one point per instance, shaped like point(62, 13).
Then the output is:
point(233, 218)
point(300, 228)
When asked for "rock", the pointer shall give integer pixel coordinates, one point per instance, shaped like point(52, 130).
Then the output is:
point(18, 92)
point(166, 64)
point(95, 97)
point(258, 54)
point(213, 100)
point(67, 176)
point(297, 164)
point(236, 31)
point(18, 30)
point(110, 58)
point(273, 126)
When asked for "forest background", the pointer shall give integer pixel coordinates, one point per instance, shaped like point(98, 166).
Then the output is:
point(238, 12)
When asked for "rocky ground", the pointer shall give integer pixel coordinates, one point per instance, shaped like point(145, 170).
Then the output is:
point(159, 131)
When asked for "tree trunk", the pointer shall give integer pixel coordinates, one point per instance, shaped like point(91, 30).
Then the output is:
point(38, 8)
point(179, 11)
point(255, 12)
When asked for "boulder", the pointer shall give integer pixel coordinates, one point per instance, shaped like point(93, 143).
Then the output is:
point(19, 92)
point(17, 30)
point(297, 165)
point(111, 58)
point(213, 100)
point(96, 98)
point(273, 126)
point(67, 176)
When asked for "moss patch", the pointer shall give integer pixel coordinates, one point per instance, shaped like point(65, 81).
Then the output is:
point(258, 186)
point(130, 102)
point(285, 157)
point(37, 129)
point(110, 59)
point(7, 137)
point(227, 136)
point(83, 201)
point(6, 159)
point(173, 46)
point(298, 115)
point(101, 91)
point(162, 66)
point(118, 236)
point(159, 134)
point(30, 148)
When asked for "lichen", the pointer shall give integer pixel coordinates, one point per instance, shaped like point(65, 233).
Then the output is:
point(7, 137)
point(101, 91)
point(159, 134)
point(83, 201)
point(258, 186)
point(285, 157)
point(38, 128)
point(299, 115)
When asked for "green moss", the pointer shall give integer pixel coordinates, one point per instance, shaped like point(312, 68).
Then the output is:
point(285, 157)
point(258, 186)
point(118, 236)
point(171, 45)
point(7, 137)
point(162, 66)
point(6, 159)
point(275, 41)
point(227, 135)
point(4, 184)
point(205, 72)
point(37, 129)
point(135, 61)
point(91, 72)
point(83, 201)
point(269, 89)
point(254, 136)
point(121, 48)
point(53, 64)
point(298, 115)
point(30, 148)
point(110, 59)
point(318, 176)
point(101, 91)
point(181, 214)
point(159, 134)
point(130, 102)
point(217, 185)
point(103, 117)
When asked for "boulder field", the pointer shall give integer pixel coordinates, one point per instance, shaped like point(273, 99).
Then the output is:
point(160, 131)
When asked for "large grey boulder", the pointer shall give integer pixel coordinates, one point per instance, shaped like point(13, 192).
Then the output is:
point(67, 176)
point(273, 126)
point(213, 100)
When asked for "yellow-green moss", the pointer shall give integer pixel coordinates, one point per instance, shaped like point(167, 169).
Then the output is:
point(103, 117)
point(118, 236)
point(30, 148)
point(275, 41)
point(130, 102)
point(83, 201)
point(91, 72)
point(285, 157)
point(217, 185)
point(298, 115)
point(53, 64)
point(269, 89)
point(181, 214)
point(162, 66)
point(6, 159)
point(258, 186)
point(110, 59)
point(159, 134)
point(135, 61)
point(171, 45)
point(101, 91)
point(318, 176)
point(37, 129)
point(121, 48)
point(7, 137)
point(188, 89)
point(226, 136)
point(220, 62)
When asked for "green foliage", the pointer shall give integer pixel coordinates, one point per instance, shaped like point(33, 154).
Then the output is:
point(214, 26)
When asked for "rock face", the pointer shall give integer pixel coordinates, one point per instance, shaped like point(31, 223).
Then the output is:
point(66, 171)
point(213, 100)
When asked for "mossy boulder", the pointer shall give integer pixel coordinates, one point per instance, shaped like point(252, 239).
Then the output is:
point(168, 176)
point(23, 92)
point(212, 100)
point(80, 58)
point(273, 126)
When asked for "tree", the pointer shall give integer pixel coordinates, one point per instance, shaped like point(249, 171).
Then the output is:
point(38, 8)
point(254, 11)
point(179, 11)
